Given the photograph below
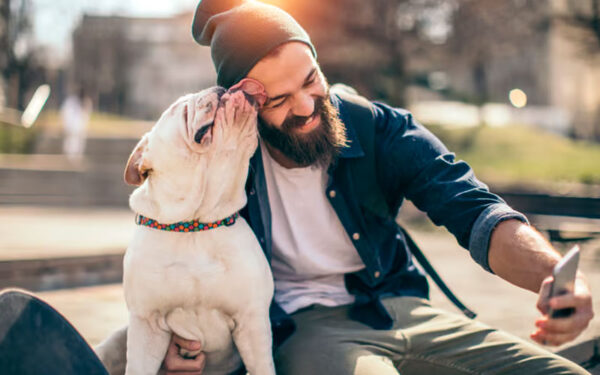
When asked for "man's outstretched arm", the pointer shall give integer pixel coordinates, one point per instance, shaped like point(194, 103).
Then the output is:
point(520, 255)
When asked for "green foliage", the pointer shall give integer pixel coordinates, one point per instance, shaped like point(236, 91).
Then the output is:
point(522, 155)
point(16, 139)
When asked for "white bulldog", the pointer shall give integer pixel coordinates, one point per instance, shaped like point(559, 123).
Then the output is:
point(212, 285)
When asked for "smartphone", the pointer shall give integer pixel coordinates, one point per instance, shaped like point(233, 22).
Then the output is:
point(564, 280)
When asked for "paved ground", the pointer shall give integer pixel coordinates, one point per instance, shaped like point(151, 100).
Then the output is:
point(29, 232)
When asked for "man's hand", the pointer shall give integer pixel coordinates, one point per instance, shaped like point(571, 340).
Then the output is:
point(557, 331)
point(174, 363)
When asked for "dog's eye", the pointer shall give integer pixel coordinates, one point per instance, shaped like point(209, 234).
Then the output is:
point(201, 133)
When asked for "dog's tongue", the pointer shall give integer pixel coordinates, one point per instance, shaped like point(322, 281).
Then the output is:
point(253, 88)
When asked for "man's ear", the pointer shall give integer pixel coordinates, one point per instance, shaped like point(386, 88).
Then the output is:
point(136, 170)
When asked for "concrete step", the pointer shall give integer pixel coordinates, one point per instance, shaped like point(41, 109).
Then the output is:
point(96, 147)
point(58, 273)
point(50, 178)
point(66, 188)
point(54, 180)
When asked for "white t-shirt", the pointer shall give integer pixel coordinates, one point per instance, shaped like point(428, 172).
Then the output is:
point(311, 249)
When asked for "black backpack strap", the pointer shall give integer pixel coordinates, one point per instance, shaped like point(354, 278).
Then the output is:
point(418, 254)
point(365, 180)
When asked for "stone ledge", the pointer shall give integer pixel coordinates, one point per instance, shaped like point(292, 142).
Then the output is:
point(56, 273)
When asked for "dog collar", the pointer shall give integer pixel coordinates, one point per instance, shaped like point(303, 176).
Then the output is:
point(186, 226)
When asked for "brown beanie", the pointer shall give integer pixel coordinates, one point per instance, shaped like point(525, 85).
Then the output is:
point(241, 32)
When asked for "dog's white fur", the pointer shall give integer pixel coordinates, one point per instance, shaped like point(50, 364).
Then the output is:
point(212, 286)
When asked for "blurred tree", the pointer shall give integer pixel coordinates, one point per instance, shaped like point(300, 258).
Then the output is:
point(365, 43)
point(583, 21)
point(584, 16)
point(18, 64)
point(4, 50)
point(375, 24)
point(102, 58)
point(488, 31)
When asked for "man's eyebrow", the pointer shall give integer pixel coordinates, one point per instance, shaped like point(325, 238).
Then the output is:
point(308, 77)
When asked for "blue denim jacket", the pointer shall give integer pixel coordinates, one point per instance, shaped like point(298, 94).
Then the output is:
point(411, 163)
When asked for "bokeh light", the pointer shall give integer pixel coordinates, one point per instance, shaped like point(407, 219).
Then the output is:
point(517, 98)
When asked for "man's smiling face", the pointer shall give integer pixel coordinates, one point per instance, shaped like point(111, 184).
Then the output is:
point(298, 120)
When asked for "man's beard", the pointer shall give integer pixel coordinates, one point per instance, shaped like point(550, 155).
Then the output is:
point(318, 147)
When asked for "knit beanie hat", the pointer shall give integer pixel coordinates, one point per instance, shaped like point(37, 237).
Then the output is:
point(241, 32)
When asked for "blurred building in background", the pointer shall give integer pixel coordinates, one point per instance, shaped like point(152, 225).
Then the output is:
point(138, 66)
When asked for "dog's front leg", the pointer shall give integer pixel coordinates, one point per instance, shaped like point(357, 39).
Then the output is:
point(252, 336)
point(147, 346)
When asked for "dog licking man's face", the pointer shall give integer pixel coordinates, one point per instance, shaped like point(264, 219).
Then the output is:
point(200, 144)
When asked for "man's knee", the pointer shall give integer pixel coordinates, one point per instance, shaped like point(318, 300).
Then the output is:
point(33, 329)
point(302, 355)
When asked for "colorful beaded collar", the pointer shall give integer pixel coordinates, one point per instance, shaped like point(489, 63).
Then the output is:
point(186, 226)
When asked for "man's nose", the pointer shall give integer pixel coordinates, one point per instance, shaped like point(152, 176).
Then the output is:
point(304, 105)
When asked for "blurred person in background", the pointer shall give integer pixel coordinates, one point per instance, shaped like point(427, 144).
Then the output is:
point(75, 114)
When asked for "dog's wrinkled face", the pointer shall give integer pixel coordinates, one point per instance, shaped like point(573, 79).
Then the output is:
point(194, 162)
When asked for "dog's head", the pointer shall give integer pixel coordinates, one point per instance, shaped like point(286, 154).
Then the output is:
point(193, 164)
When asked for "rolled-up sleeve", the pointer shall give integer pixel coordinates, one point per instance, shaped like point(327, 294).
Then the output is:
point(482, 230)
point(414, 164)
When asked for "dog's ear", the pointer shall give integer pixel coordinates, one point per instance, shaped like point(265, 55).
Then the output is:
point(136, 170)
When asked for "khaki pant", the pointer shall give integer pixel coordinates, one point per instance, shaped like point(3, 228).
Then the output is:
point(424, 340)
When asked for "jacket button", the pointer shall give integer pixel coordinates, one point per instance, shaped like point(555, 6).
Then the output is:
point(332, 193)
point(377, 274)
point(356, 236)
point(262, 240)
point(252, 192)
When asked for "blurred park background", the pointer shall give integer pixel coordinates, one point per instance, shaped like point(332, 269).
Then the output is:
point(513, 87)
